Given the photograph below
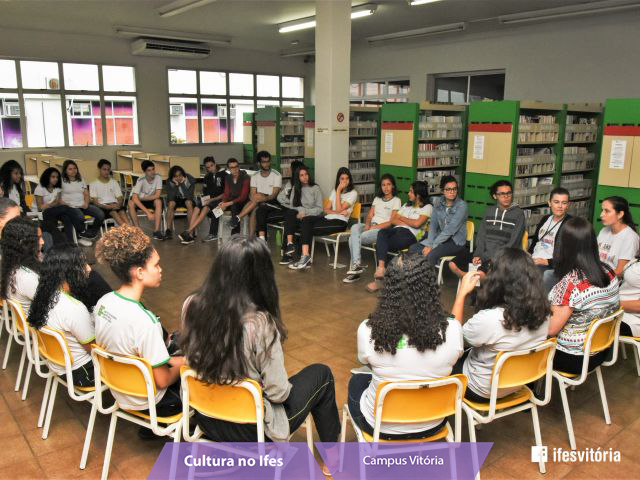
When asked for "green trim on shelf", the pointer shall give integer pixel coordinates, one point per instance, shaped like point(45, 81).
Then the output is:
point(504, 111)
point(309, 113)
point(622, 111)
point(399, 112)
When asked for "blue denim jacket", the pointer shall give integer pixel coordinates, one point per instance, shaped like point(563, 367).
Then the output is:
point(447, 224)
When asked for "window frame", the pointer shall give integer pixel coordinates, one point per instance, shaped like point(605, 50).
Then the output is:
point(365, 100)
point(432, 78)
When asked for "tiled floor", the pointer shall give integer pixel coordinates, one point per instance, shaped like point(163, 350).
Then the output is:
point(322, 315)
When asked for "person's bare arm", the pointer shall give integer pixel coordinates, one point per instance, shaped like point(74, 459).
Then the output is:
point(167, 375)
point(560, 314)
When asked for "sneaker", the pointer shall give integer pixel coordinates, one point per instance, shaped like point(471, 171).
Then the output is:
point(186, 239)
point(168, 234)
point(286, 259)
point(210, 238)
point(290, 250)
point(88, 235)
point(356, 269)
point(351, 278)
point(158, 235)
point(235, 221)
point(184, 235)
point(85, 242)
point(304, 262)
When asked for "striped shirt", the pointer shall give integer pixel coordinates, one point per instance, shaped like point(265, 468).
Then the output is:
point(588, 302)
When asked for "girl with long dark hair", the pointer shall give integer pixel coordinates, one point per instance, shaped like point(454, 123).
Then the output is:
point(12, 183)
point(512, 314)
point(180, 194)
point(233, 330)
point(64, 281)
point(588, 289)
point(407, 223)
point(75, 194)
point(618, 241)
point(407, 337)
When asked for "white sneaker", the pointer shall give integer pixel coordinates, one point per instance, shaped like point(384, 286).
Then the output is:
point(304, 262)
point(355, 269)
point(84, 242)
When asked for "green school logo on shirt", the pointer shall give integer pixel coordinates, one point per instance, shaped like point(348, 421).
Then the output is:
point(401, 344)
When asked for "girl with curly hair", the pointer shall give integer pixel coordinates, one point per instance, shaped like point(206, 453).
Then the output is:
point(64, 281)
point(126, 327)
point(513, 314)
point(407, 337)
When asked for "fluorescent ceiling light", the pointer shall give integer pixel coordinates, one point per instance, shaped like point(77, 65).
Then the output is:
point(419, 32)
point(310, 22)
point(134, 32)
point(593, 8)
point(180, 6)
point(413, 3)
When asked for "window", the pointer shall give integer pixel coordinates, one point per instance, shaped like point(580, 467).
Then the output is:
point(208, 107)
point(466, 87)
point(50, 101)
point(377, 92)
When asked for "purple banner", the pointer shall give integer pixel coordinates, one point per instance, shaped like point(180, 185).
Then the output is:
point(294, 461)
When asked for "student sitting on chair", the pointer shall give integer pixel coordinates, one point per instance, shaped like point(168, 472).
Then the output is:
point(407, 337)
point(236, 191)
point(502, 226)
point(407, 223)
point(512, 314)
point(305, 200)
point(588, 289)
point(211, 196)
point(105, 194)
point(76, 194)
point(126, 327)
point(448, 225)
point(239, 297)
point(336, 216)
point(64, 280)
point(264, 188)
point(180, 188)
point(12, 184)
point(630, 298)
point(618, 241)
point(145, 195)
point(384, 205)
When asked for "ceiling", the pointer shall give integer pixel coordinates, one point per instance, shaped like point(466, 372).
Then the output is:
point(253, 24)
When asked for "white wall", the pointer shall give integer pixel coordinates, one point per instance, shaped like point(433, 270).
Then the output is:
point(579, 60)
point(151, 81)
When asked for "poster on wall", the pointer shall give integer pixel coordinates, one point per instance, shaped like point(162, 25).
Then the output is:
point(478, 147)
point(388, 142)
point(618, 152)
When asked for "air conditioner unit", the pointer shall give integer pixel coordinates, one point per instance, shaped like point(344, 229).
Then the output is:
point(222, 112)
point(81, 109)
point(11, 109)
point(176, 109)
point(152, 47)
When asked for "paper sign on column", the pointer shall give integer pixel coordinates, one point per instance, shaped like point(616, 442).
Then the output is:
point(310, 139)
point(388, 142)
point(260, 136)
point(478, 147)
point(618, 151)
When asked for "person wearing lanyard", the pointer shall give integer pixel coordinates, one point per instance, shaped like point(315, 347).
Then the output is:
point(543, 241)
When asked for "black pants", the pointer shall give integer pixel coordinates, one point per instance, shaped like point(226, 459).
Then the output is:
point(468, 394)
point(625, 330)
point(566, 362)
point(312, 391)
point(269, 212)
point(445, 249)
point(68, 217)
point(213, 226)
point(95, 212)
point(235, 209)
point(171, 403)
point(310, 226)
point(393, 240)
point(357, 386)
point(82, 376)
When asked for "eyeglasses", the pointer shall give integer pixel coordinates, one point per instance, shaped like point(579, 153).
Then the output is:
point(454, 189)
point(504, 194)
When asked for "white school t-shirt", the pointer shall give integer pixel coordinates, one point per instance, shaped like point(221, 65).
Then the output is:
point(47, 196)
point(74, 320)
point(349, 197)
point(14, 195)
point(486, 335)
point(630, 290)
point(413, 213)
point(25, 281)
point(265, 185)
point(621, 246)
point(144, 188)
point(546, 239)
point(126, 327)
point(105, 193)
point(73, 193)
point(407, 364)
point(382, 209)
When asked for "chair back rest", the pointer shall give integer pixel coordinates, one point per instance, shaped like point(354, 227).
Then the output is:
point(52, 345)
point(514, 369)
point(28, 199)
point(237, 403)
point(125, 374)
point(128, 181)
point(355, 213)
point(602, 332)
point(17, 312)
point(471, 230)
point(418, 401)
point(525, 240)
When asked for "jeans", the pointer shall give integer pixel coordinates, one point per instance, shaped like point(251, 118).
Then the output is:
point(446, 249)
point(312, 391)
point(95, 212)
point(393, 240)
point(358, 238)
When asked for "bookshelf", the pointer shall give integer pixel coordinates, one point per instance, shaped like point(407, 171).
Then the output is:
point(309, 138)
point(363, 151)
point(280, 131)
point(248, 138)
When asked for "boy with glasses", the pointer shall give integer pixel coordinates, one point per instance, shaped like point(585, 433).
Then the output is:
point(502, 226)
point(236, 192)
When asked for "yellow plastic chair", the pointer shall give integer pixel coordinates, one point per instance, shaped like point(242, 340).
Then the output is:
point(525, 240)
point(515, 369)
point(131, 376)
point(335, 238)
point(19, 333)
point(602, 334)
point(470, 233)
point(635, 346)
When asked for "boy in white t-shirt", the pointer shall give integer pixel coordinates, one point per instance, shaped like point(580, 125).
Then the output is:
point(126, 327)
point(146, 197)
point(106, 194)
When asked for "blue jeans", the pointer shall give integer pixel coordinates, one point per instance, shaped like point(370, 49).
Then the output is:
point(358, 238)
point(446, 249)
point(95, 212)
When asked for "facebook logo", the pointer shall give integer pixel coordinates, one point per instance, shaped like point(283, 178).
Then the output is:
point(538, 454)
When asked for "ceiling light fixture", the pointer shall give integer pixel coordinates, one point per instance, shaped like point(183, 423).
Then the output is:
point(310, 22)
point(180, 6)
point(417, 33)
point(413, 3)
point(607, 6)
point(134, 32)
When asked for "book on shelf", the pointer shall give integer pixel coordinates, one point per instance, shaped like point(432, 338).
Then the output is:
point(432, 179)
point(534, 161)
point(578, 186)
